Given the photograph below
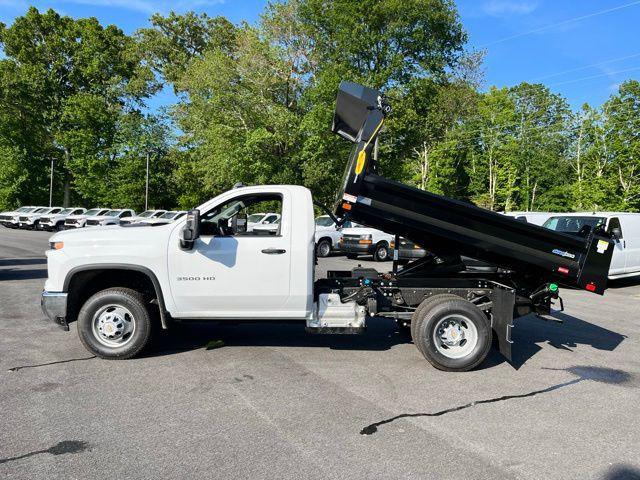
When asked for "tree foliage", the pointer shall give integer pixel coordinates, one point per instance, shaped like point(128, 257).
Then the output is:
point(255, 104)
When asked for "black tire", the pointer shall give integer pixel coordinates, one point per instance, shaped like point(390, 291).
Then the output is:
point(352, 256)
point(381, 253)
point(323, 248)
point(426, 319)
point(130, 300)
point(419, 313)
point(59, 226)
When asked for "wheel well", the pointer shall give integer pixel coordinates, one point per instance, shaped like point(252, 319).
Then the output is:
point(382, 242)
point(86, 283)
point(325, 238)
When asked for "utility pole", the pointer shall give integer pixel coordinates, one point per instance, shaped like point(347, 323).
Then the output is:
point(51, 185)
point(146, 190)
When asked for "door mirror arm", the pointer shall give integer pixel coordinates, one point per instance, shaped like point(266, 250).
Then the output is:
point(191, 230)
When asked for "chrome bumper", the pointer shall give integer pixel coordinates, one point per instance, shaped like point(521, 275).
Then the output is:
point(54, 306)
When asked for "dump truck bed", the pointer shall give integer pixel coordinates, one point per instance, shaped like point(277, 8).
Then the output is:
point(447, 226)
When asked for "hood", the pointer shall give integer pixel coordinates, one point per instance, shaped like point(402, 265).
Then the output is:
point(360, 231)
point(97, 217)
point(110, 235)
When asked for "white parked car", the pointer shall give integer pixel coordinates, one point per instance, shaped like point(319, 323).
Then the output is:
point(328, 235)
point(165, 218)
point(624, 229)
point(79, 221)
point(55, 221)
point(361, 240)
point(267, 228)
point(146, 215)
point(256, 219)
point(32, 219)
point(536, 218)
point(9, 219)
point(112, 217)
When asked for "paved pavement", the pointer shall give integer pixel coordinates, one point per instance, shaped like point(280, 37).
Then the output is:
point(275, 402)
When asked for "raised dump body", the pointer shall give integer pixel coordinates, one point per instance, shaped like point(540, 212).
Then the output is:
point(444, 226)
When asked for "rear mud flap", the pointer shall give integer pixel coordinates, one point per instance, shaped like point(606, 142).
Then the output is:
point(502, 319)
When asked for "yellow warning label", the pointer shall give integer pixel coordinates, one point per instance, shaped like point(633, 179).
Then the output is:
point(602, 246)
point(362, 156)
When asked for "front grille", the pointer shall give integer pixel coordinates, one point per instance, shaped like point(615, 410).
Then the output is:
point(351, 238)
point(45, 220)
point(93, 222)
point(24, 219)
point(5, 217)
point(70, 222)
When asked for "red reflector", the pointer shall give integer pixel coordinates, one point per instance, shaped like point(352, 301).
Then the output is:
point(563, 270)
point(591, 287)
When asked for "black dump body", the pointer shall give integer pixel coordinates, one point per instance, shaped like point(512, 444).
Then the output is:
point(444, 226)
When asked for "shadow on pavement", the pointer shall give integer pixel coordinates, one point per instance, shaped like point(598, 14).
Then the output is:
point(624, 282)
point(5, 262)
point(382, 334)
point(622, 472)
point(16, 274)
point(529, 332)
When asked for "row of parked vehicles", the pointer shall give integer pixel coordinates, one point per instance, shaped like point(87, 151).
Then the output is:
point(59, 218)
point(351, 239)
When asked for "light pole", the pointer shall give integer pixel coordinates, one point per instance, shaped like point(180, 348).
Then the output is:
point(51, 185)
point(146, 189)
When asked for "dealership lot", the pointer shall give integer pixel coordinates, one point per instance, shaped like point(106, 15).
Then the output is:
point(274, 402)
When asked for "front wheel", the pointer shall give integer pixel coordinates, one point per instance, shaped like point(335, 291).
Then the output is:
point(451, 333)
point(114, 323)
point(381, 253)
point(323, 249)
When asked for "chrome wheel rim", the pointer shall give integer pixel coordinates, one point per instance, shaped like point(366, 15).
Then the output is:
point(113, 325)
point(382, 253)
point(455, 336)
point(324, 249)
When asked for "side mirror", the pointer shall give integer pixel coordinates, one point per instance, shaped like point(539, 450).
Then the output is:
point(616, 233)
point(191, 231)
point(239, 223)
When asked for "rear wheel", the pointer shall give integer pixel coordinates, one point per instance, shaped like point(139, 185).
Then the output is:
point(323, 249)
point(451, 333)
point(381, 253)
point(114, 323)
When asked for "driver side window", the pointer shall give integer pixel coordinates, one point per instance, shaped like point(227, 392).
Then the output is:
point(244, 216)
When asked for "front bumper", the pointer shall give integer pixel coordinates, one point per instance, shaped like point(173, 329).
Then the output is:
point(352, 247)
point(54, 306)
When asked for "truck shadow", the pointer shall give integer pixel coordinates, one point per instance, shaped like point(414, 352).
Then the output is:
point(530, 335)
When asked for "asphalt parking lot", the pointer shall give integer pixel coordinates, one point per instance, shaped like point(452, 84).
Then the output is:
point(275, 402)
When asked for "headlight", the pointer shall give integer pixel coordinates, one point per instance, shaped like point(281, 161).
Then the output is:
point(365, 237)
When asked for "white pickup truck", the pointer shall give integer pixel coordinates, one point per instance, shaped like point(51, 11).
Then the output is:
point(361, 240)
point(56, 221)
point(117, 283)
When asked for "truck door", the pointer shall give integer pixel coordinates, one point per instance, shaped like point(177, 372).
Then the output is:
point(231, 272)
point(618, 260)
point(631, 229)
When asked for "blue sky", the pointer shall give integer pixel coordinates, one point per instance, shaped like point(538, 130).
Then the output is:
point(582, 49)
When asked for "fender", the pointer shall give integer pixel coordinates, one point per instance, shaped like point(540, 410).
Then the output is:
point(164, 315)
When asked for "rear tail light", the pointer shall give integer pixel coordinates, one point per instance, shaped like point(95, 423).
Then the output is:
point(563, 270)
point(591, 287)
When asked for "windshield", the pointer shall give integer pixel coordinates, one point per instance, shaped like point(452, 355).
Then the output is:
point(24, 209)
point(112, 213)
point(168, 215)
point(324, 221)
point(571, 224)
point(255, 218)
point(42, 210)
point(65, 211)
point(93, 211)
point(147, 213)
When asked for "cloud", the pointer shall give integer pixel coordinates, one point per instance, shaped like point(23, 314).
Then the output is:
point(508, 8)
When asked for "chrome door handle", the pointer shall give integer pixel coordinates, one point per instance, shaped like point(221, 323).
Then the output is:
point(274, 251)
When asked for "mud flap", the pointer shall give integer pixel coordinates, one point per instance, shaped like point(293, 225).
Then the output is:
point(502, 319)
